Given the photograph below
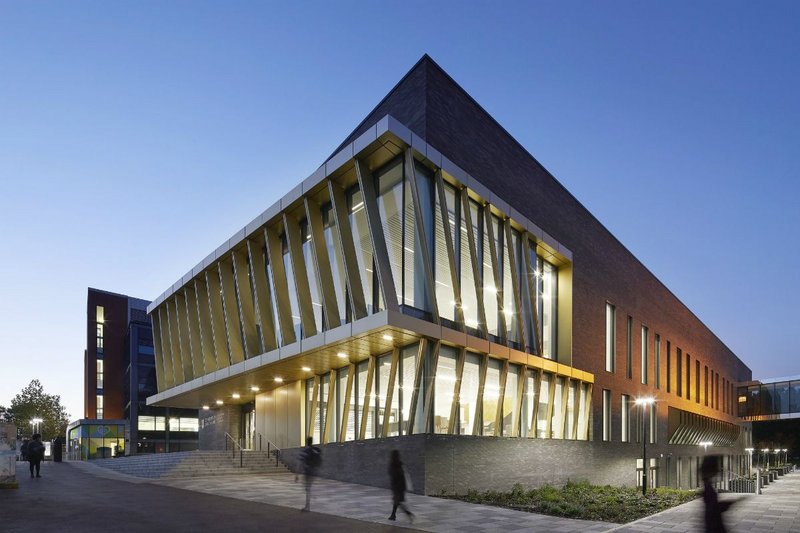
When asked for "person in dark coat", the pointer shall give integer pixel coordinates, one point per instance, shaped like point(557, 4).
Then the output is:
point(35, 453)
point(714, 508)
point(310, 460)
point(397, 478)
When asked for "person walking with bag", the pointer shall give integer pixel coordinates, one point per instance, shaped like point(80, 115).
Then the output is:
point(397, 478)
point(35, 454)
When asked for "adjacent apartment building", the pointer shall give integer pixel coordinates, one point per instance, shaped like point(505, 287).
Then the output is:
point(432, 288)
point(119, 376)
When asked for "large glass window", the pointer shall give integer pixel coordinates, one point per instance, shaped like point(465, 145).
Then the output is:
point(542, 422)
point(341, 393)
point(336, 260)
point(365, 400)
point(311, 274)
point(469, 299)
point(292, 289)
point(390, 208)
point(322, 404)
point(611, 344)
point(510, 399)
point(549, 307)
point(312, 413)
point(406, 375)
point(571, 400)
point(100, 406)
point(392, 410)
point(99, 373)
point(489, 288)
point(445, 296)
point(363, 244)
point(528, 428)
point(416, 292)
point(468, 396)
point(444, 387)
point(491, 396)
point(274, 300)
point(558, 409)
point(509, 300)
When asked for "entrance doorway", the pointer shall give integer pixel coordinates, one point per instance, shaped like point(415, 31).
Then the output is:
point(248, 429)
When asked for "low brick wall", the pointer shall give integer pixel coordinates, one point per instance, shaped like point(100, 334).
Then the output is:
point(448, 463)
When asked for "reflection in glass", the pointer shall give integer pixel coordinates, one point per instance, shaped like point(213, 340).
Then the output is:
point(528, 402)
point(558, 406)
point(510, 399)
point(292, 289)
point(542, 422)
point(336, 260)
point(445, 296)
point(571, 393)
point(468, 397)
point(444, 387)
point(311, 274)
point(491, 396)
point(390, 200)
point(363, 244)
point(469, 299)
point(406, 375)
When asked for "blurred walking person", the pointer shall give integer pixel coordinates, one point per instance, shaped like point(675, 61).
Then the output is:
point(310, 461)
point(35, 453)
point(397, 478)
point(714, 508)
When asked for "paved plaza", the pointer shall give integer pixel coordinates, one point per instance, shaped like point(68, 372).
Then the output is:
point(86, 496)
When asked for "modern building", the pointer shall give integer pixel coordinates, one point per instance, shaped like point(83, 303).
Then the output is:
point(432, 288)
point(119, 375)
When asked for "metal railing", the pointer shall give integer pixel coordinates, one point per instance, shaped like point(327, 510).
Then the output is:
point(235, 445)
point(271, 448)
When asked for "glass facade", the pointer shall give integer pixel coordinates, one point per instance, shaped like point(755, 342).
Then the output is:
point(482, 400)
point(96, 441)
point(769, 399)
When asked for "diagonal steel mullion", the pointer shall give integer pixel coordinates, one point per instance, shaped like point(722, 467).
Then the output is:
point(344, 233)
point(302, 288)
point(512, 261)
point(474, 260)
point(449, 245)
point(322, 265)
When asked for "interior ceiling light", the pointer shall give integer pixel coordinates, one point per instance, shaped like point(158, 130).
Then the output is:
point(254, 389)
point(387, 337)
point(220, 402)
point(235, 395)
point(305, 369)
point(341, 355)
point(278, 380)
point(206, 408)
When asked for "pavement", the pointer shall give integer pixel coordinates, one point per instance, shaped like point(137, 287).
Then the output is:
point(84, 497)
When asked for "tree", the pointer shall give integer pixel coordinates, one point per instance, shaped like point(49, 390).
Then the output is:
point(32, 402)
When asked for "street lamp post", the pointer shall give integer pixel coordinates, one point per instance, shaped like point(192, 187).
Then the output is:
point(643, 403)
point(36, 424)
point(749, 461)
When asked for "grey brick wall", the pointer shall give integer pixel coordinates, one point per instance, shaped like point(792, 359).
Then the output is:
point(215, 423)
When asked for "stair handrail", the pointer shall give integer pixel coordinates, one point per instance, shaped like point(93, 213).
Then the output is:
point(233, 448)
point(276, 450)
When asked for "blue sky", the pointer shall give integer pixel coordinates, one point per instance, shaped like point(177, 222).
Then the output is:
point(136, 136)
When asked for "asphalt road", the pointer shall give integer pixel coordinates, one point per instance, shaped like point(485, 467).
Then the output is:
point(68, 499)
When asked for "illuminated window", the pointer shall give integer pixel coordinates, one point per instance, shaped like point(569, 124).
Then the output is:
point(99, 406)
point(644, 355)
point(606, 415)
point(611, 343)
point(626, 418)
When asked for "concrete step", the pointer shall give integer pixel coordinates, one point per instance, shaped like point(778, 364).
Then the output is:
point(194, 464)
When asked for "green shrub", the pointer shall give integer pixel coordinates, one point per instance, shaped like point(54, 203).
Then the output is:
point(579, 499)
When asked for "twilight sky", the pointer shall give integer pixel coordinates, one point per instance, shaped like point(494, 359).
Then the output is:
point(136, 136)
